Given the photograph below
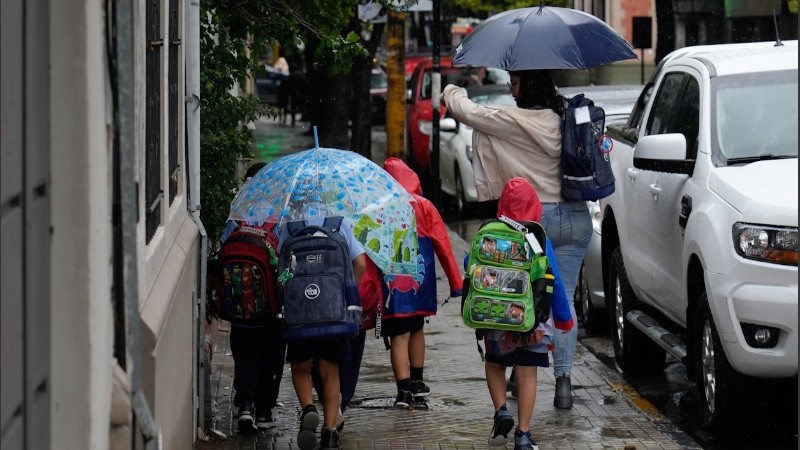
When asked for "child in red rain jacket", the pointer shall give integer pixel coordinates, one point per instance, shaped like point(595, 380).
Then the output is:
point(414, 297)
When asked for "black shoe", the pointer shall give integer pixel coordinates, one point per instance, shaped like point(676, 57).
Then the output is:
point(563, 398)
point(329, 439)
point(265, 420)
point(419, 389)
point(307, 436)
point(524, 441)
point(503, 423)
point(246, 421)
point(404, 399)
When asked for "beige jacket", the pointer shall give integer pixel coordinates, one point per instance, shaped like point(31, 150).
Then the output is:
point(511, 142)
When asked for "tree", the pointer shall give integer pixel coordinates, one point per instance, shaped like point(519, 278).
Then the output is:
point(231, 32)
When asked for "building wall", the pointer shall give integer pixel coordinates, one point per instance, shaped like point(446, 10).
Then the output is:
point(82, 255)
point(168, 340)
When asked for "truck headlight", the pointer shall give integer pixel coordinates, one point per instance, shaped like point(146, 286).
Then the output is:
point(765, 243)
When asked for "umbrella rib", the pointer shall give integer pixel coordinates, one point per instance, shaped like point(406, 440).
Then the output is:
point(530, 12)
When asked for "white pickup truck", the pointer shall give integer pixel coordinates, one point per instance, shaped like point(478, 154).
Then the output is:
point(699, 240)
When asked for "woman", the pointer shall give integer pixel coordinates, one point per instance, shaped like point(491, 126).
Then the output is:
point(526, 141)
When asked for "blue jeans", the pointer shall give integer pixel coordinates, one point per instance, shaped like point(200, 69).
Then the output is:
point(569, 227)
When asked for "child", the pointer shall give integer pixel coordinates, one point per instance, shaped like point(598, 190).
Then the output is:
point(504, 349)
point(329, 353)
point(414, 297)
point(257, 368)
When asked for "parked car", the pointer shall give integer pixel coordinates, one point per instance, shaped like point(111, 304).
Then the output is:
point(419, 110)
point(699, 241)
point(268, 84)
point(378, 85)
point(412, 60)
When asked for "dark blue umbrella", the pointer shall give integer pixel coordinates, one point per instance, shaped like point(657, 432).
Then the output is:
point(542, 37)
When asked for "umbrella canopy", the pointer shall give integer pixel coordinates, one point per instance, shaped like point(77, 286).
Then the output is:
point(332, 182)
point(542, 37)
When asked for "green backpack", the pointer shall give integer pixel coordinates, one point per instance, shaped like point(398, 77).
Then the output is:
point(509, 283)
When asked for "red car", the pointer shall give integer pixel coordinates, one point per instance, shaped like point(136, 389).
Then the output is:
point(419, 110)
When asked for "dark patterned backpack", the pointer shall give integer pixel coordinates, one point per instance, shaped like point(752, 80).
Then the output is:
point(241, 277)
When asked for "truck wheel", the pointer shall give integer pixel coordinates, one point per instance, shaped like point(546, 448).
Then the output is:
point(715, 379)
point(593, 318)
point(634, 352)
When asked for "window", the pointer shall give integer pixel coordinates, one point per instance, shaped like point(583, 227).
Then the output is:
point(174, 57)
point(666, 101)
point(688, 118)
point(152, 191)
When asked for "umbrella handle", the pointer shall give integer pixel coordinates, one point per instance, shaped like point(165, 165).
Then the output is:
point(316, 138)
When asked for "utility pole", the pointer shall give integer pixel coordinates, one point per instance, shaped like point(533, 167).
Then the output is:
point(436, 183)
point(396, 91)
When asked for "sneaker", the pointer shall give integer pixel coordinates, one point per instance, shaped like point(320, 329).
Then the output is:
point(420, 403)
point(563, 398)
point(404, 399)
point(307, 436)
point(246, 422)
point(264, 420)
point(339, 420)
point(419, 389)
point(503, 423)
point(329, 439)
point(524, 441)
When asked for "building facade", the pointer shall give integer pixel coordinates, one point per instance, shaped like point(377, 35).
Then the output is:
point(101, 237)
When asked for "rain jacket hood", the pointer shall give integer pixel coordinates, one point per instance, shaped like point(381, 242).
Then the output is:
point(403, 174)
point(519, 201)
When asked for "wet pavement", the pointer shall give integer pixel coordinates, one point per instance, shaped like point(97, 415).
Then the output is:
point(607, 412)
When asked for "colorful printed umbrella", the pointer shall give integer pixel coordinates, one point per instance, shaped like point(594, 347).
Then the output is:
point(342, 183)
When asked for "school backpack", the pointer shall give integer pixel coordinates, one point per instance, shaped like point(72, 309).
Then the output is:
point(241, 277)
point(585, 148)
point(509, 281)
point(317, 298)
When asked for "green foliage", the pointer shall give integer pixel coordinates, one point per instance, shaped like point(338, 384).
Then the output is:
point(223, 139)
point(230, 33)
point(336, 55)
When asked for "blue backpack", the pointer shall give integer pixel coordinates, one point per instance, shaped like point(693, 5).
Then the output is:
point(315, 291)
point(584, 152)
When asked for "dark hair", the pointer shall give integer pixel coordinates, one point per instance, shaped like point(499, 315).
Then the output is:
point(253, 169)
point(536, 89)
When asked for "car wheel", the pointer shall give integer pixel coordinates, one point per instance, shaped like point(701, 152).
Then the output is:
point(634, 352)
point(593, 318)
point(463, 207)
point(716, 380)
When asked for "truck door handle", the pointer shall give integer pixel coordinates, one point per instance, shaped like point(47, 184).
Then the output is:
point(655, 190)
point(686, 209)
point(632, 174)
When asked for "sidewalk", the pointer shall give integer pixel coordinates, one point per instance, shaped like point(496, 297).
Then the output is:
point(606, 412)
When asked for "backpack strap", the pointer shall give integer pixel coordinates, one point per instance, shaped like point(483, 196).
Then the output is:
point(295, 226)
point(333, 223)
